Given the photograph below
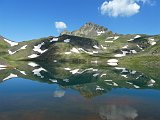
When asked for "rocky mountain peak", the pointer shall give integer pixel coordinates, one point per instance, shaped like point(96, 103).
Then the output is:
point(89, 30)
point(65, 32)
point(91, 25)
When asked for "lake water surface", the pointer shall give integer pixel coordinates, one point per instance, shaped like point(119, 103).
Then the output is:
point(36, 91)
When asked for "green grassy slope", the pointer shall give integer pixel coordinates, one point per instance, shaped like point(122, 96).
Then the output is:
point(147, 61)
point(24, 53)
point(97, 43)
point(4, 46)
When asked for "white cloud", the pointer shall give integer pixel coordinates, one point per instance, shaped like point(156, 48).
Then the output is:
point(60, 25)
point(116, 8)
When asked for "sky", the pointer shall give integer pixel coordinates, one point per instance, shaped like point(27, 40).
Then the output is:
point(31, 19)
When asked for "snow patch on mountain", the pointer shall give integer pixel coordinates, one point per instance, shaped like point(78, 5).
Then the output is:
point(136, 86)
point(74, 71)
point(11, 42)
point(115, 84)
point(116, 37)
point(109, 41)
point(99, 88)
point(125, 76)
point(95, 62)
point(108, 80)
point(133, 51)
point(95, 52)
point(110, 38)
point(137, 36)
point(53, 80)
point(11, 53)
point(23, 72)
point(68, 69)
point(103, 75)
point(67, 40)
point(38, 48)
point(125, 47)
point(151, 83)
point(54, 40)
point(81, 49)
point(100, 32)
point(22, 48)
point(3, 66)
point(66, 80)
point(33, 64)
point(120, 68)
point(95, 75)
point(123, 54)
point(112, 62)
point(139, 47)
point(10, 76)
point(78, 50)
point(67, 53)
point(33, 56)
point(37, 72)
point(130, 40)
point(103, 47)
point(119, 55)
point(96, 47)
point(152, 41)
point(74, 50)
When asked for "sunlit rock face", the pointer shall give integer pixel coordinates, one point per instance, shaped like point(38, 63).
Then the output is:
point(113, 112)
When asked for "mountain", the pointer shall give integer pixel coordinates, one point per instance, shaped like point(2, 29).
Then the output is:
point(91, 43)
point(88, 30)
point(53, 48)
point(117, 45)
point(153, 50)
point(148, 58)
point(4, 46)
point(82, 60)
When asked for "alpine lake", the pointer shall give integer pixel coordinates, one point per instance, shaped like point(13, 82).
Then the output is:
point(75, 91)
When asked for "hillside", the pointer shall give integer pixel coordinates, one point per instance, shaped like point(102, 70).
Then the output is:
point(52, 48)
point(146, 61)
point(113, 44)
point(90, 43)
point(4, 46)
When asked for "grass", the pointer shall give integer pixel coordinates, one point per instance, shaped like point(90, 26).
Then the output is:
point(3, 47)
point(23, 54)
point(149, 65)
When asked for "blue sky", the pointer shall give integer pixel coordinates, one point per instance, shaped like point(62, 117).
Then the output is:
point(28, 19)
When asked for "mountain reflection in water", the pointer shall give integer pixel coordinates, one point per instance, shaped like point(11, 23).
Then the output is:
point(63, 91)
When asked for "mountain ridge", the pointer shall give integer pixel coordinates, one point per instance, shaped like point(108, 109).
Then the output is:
point(86, 43)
